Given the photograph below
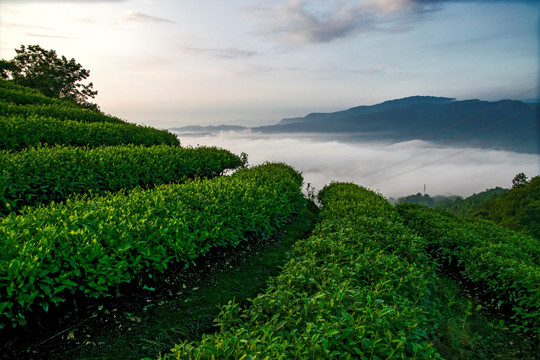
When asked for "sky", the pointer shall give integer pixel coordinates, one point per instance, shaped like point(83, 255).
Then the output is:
point(167, 63)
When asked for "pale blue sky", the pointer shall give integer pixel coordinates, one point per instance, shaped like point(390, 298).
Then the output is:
point(176, 62)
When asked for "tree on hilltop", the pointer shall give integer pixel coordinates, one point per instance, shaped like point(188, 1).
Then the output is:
point(519, 180)
point(53, 76)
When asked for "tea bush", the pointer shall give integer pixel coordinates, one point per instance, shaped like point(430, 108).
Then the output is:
point(359, 287)
point(90, 245)
point(502, 263)
point(19, 132)
point(44, 174)
point(57, 111)
point(16, 94)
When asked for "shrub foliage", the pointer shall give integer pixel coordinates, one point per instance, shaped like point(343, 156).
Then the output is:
point(90, 245)
point(359, 287)
point(44, 174)
point(17, 133)
point(499, 262)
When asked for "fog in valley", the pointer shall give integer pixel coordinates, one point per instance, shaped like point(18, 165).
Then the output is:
point(393, 169)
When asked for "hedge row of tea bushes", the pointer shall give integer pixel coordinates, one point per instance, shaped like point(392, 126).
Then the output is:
point(502, 263)
point(359, 287)
point(90, 245)
point(28, 118)
point(17, 94)
point(60, 112)
point(18, 132)
point(44, 174)
point(20, 100)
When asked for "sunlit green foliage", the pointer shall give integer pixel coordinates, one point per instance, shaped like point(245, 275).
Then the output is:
point(28, 118)
point(500, 263)
point(90, 245)
point(359, 287)
point(17, 132)
point(20, 100)
point(20, 95)
point(44, 174)
point(57, 111)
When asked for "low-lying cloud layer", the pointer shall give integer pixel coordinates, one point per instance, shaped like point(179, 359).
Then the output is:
point(394, 170)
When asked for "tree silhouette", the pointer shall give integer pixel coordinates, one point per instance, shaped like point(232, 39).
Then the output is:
point(53, 76)
point(519, 180)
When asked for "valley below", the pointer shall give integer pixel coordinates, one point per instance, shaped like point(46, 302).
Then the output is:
point(394, 169)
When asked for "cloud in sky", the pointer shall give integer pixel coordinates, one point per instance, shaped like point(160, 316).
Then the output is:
point(26, 26)
point(395, 170)
point(393, 6)
point(304, 22)
point(32, 30)
point(138, 16)
point(229, 53)
point(46, 36)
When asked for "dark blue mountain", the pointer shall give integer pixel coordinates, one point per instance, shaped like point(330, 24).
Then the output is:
point(506, 124)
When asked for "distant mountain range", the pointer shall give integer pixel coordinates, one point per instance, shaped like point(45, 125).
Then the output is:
point(506, 124)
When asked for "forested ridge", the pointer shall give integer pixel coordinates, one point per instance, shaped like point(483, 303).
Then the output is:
point(517, 208)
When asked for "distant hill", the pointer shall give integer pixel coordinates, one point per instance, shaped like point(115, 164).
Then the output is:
point(470, 206)
point(474, 205)
point(506, 124)
point(517, 208)
point(369, 109)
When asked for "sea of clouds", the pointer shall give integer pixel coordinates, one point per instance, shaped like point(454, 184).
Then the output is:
point(392, 169)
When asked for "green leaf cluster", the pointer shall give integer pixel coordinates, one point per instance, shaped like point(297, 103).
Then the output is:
point(499, 262)
point(20, 100)
point(359, 288)
point(44, 174)
point(28, 118)
point(20, 95)
point(475, 205)
point(519, 208)
point(90, 245)
point(18, 132)
point(57, 111)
